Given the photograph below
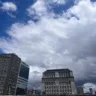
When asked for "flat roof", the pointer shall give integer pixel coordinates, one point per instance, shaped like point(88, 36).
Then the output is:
point(60, 70)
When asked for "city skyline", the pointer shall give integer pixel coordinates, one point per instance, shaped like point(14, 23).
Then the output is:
point(51, 34)
point(52, 79)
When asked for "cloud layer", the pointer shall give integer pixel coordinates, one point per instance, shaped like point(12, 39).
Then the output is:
point(63, 41)
point(56, 1)
point(8, 6)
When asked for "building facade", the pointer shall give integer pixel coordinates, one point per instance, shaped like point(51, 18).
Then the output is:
point(91, 91)
point(80, 91)
point(22, 81)
point(58, 82)
point(95, 92)
point(10, 74)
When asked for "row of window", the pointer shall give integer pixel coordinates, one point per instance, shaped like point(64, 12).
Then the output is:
point(60, 83)
point(64, 90)
point(2, 79)
point(3, 75)
point(65, 74)
point(56, 91)
point(3, 71)
point(59, 79)
point(5, 56)
point(57, 87)
point(53, 76)
point(3, 61)
point(3, 68)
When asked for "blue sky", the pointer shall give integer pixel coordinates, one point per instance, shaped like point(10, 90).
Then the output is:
point(21, 13)
point(51, 34)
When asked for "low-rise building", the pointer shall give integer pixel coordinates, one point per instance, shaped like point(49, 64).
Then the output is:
point(80, 91)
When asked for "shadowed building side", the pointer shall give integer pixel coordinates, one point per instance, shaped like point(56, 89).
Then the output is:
point(10, 68)
point(22, 81)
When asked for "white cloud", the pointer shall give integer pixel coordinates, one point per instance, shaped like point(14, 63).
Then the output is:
point(39, 8)
point(43, 44)
point(8, 6)
point(84, 5)
point(58, 1)
point(11, 15)
point(86, 87)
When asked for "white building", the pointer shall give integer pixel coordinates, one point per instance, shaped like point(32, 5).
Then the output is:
point(58, 82)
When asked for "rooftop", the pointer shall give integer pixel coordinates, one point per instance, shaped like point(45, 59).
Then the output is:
point(60, 70)
point(7, 54)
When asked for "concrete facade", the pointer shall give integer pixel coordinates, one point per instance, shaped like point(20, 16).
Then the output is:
point(9, 73)
point(80, 91)
point(58, 82)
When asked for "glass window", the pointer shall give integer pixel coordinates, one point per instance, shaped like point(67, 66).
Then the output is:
point(24, 72)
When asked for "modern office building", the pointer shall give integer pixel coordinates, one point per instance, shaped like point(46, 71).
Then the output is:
point(80, 91)
point(13, 75)
point(22, 81)
point(58, 82)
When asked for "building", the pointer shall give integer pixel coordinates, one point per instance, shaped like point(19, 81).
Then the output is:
point(58, 82)
point(34, 92)
point(80, 91)
point(95, 92)
point(91, 91)
point(22, 81)
point(87, 93)
point(13, 75)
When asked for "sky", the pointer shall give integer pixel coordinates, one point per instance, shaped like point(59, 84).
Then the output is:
point(50, 34)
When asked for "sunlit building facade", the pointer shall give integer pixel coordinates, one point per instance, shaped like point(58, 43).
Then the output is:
point(58, 82)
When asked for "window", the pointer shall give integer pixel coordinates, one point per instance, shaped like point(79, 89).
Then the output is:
point(24, 71)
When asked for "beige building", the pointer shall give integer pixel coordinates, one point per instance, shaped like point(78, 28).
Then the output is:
point(58, 82)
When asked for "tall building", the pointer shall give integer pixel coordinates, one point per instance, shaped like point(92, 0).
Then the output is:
point(95, 92)
point(13, 75)
point(91, 91)
point(58, 82)
point(80, 91)
point(22, 81)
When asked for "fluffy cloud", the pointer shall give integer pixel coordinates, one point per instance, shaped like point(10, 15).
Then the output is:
point(56, 1)
point(8, 6)
point(82, 7)
point(38, 9)
point(56, 42)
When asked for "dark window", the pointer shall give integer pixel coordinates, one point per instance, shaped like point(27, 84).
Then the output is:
point(24, 72)
point(20, 91)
